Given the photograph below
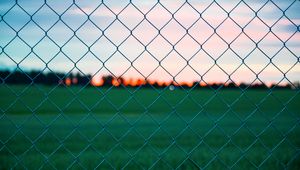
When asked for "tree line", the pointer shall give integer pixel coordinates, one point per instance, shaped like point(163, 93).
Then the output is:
point(67, 79)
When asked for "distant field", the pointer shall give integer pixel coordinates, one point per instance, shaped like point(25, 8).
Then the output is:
point(42, 127)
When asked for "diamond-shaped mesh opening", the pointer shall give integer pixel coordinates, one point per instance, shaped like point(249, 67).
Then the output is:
point(229, 34)
point(31, 33)
point(284, 60)
point(161, 20)
point(160, 140)
point(103, 106)
point(270, 45)
point(263, 13)
point(214, 8)
point(131, 16)
point(155, 108)
point(159, 47)
point(51, 20)
point(187, 146)
point(149, 84)
point(102, 16)
point(271, 132)
point(173, 32)
point(258, 64)
point(203, 35)
point(89, 37)
point(148, 119)
point(187, 41)
point(173, 64)
point(121, 159)
point(242, 8)
point(122, 98)
point(174, 156)
point(71, 20)
point(75, 147)
point(132, 107)
point(104, 142)
point(74, 49)
point(229, 62)
point(117, 64)
point(63, 101)
point(18, 145)
point(151, 66)
point(202, 155)
point(23, 18)
point(280, 26)
point(60, 33)
point(256, 24)
point(47, 49)
point(56, 157)
point(213, 144)
point(257, 153)
point(183, 19)
point(89, 59)
point(145, 37)
point(209, 46)
point(186, 106)
point(130, 146)
point(103, 48)
point(117, 32)
point(145, 157)
point(230, 154)
point(126, 48)
point(11, 52)
point(89, 127)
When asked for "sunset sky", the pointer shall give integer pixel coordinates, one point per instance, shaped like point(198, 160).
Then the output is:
point(199, 43)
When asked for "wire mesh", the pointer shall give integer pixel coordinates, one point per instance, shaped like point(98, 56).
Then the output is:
point(147, 125)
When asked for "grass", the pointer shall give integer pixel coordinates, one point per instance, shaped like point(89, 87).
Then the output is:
point(119, 128)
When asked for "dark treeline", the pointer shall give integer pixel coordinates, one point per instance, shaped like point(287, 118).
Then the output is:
point(38, 77)
point(63, 79)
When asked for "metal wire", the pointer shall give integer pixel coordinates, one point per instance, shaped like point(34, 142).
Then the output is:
point(159, 29)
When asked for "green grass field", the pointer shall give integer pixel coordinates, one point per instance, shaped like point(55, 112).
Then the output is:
point(42, 127)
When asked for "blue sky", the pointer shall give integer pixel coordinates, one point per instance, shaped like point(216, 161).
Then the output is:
point(103, 45)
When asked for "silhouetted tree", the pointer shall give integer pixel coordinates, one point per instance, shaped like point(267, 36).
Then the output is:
point(83, 79)
point(231, 85)
point(107, 80)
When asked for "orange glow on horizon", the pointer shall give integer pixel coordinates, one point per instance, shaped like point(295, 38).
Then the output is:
point(68, 81)
point(97, 81)
point(115, 82)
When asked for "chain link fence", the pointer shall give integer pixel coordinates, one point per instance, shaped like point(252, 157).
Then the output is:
point(149, 84)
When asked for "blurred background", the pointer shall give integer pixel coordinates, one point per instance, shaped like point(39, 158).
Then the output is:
point(166, 41)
